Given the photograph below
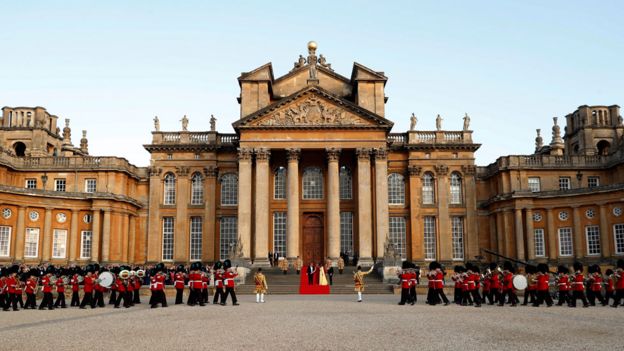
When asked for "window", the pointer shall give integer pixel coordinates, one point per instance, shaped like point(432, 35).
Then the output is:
point(86, 238)
point(228, 229)
point(534, 184)
point(169, 156)
point(593, 182)
point(540, 250)
point(31, 242)
point(456, 189)
point(618, 233)
point(565, 241)
point(279, 233)
point(59, 184)
point(397, 235)
point(5, 240)
point(31, 183)
point(196, 238)
point(564, 183)
point(279, 184)
point(167, 237)
point(430, 237)
point(90, 186)
point(457, 231)
point(592, 234)
point(346, 232)
point(312, 183)
point(59, 243)
point(563, 215)
point(428, 192)
point(346, 184)
point(229, 189)
point(169, 189)
point(197, 189)
point(396, 189)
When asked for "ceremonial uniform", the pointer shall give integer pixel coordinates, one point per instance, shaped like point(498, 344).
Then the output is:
point(619, 284)
point(609, 287)
point(112, 300)
point(19, 291)
point(358, 278)
point(4, 303)
point(578, 290)
point(229, 287)
point(60, 290)
point(456, 278)
point(261, 286)
point(195, 288)
point(157, 286)
point(439, 287)
point(31, 291)
point(508, 290)
point(529, 292)
point(178, 284)
point(11, 301)
point(341, 265)
point(98, 296)
point(204, 292)
point(596, 289)
point(88, 287)
point(495, 287)
point(413, 283)
point(543, 295)
point(75, 284)
point(563, 285)
point(136, 282)
point(299, 265)
point(218, 284)
point(121, 286)
point(46, 285)
point(405, 281)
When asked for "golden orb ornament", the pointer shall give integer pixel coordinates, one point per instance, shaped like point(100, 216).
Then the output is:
point(312, 45)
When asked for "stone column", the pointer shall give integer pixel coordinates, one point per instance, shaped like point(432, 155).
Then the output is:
point(605, 232)
point(154, 223)
point(292, 217)
point(244, 200)
point(416, 232)
point(471, 233)
point(95, 248)
point(132, 240)
point(381, 200)
point(124, 236)
point(106, 235)
point(578, 233)
point(493, 240)
point(20, 232)
point(519, 234)
point(445, 241)
point(333, 203)
point(364, 206)
point(210, 214)
point(530, 234)
point(181, 237)
point(74, 236)
point(507, 230)
point(262, 208)
point(46, 251)
point(552, 235)
point(500, 233)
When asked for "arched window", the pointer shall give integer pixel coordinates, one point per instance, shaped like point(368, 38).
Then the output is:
point(197, 189)
point(170, 189)
point(312, 183)
point(346, 185)
point(20, 149)
point(428, 189)
point(279, 184)
point(396, 189)
point(456, 188)
point(229, 189)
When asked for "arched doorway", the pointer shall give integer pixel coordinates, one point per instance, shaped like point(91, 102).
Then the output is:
point(20, 149)
point(313, 234)
point(603, 147)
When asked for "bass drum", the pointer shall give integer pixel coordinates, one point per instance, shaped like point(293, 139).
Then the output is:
point(106, 279)
point(520, 282)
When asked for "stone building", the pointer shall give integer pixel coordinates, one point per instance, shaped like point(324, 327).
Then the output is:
point(313, 170)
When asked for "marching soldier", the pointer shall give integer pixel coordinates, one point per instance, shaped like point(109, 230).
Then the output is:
point(31, 291)
point(113, 288)
point(205, 277)
point(439, 285)
point(195, 285)
point(414, 280)
point(121, 286)
point(542, 277)
point(11, 283)
point(405, 281)
point(495, 283)
point(75, 284)
point(3, 289)
point(530, 291)
point(618, 278)
point(507, 285)
point(358, 279)
point(596, 285)
point(89, 284)
point(578, 288)
point(60, 290)
point(261, 286)
point(218, 283)
point(609, 287)
point(98, 296)
point(19, 290)
point(136, 284)
point(228, 281)
point(157, 286)
point(46, 285)
point(178, 284)
point(563, 285)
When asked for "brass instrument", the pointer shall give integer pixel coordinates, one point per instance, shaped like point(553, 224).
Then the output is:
point(53, 280)
point(80, 279)
point(125, 274)
point(132, 273)
point(140, 273)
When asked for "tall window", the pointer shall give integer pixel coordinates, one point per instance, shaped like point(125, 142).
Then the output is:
point(86, 237)
point(564, 183)
point(228, 229)
point(540, 250)
point(565, 241)
point(5, 240)
point(31, 242)
point(279, 184)
point(229, 189)
point(430, 237)
point(279, 233)
point(346, 232)
point(618, 238)
point(457, 231)
point(592, 233)
point(397, 234)
point(31, 183)
point(396, 189)
point(197, 189)
point(90, 185)
point(59, 243)
point(312, 183)
point(456, 189)
point(59, 184)
point(167, 237)
point(346, 183)
point(170, 189)
point(534, 184)
point(196, 238)
point(428, 186)
point(593, 181)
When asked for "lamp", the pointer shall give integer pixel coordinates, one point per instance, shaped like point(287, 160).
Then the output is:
point(44, 179)
point(579, 177)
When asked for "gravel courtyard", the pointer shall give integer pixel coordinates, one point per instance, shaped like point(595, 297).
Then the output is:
point(331, 322)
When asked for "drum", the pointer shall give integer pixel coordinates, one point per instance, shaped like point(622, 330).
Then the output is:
point(106, 279)
point(520, 282)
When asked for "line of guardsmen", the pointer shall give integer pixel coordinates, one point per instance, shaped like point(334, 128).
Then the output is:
point(197, 280)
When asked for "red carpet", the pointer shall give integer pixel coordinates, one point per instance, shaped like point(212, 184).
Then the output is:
point(306, 289)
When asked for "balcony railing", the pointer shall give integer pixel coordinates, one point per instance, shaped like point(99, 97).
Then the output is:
point(184, 137)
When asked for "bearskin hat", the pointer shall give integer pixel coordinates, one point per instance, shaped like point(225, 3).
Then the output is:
point(620, 263)
point(597, 268)
point(180, 268)
point(218, 265)
point(493, 266)
point(609, 271)
point(405, 265)
point(578, 266)
point(433, 265)
point(563, 269)
point(195, 266)
point(508, 266)
point(458, 269)
point(227, 264)
point(159, 267)
point(96, 267)
point(542, 268)
point(50, 270)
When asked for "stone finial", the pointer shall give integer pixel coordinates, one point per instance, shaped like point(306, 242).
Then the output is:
point(312, 60)
point(413, 121)
point(185, 122)
point(439, 122)
point(84, 143)
point(539, 141)
point(556, 145)
point(156, 124)
point(466, 122)
point(213, 123)
point(67, 132)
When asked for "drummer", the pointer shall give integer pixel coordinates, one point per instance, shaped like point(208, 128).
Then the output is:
point(508, 285)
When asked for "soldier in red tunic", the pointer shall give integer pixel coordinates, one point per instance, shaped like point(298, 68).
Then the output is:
point(457, 279)
point(609, 287)
point(230, 274)
point(121, 286)
point(618, 277)
point(578, 287)
point(530, 295)
point(75, 284)
point(178, 283)
point(112, 299)
point(19, 290)
point(218, 283)
point(98, 295)
point(136, 284)
point(542, 288)
point(195, 285)
point(205, 276)
point(88, 287)
point(495, 283)
point(60, 290)
point(414, 280)
point(405, 281)
point(563, 285)
point(439, 285)
point(157, 286)
point(595, 281)
point(507, 286)
point(11, 283)
point(46, 285)
point(31, 291)
point(3, 288)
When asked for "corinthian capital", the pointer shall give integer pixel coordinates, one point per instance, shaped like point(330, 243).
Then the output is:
point(333, 154)
point(244, 154)
point(293, 154)
point(363, 153)
point(263, 154)
point(381, 153)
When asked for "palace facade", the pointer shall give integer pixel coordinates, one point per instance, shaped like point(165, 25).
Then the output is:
point(313, 170)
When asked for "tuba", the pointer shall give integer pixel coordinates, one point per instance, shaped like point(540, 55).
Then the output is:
point(125, 274)
point(140, 273)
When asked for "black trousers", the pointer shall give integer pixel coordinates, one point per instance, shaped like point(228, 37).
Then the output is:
point(529, 296)
point(466, 298)
point(218, 296)
point(595, 295)
point(98, 299)
point(31, 301)
point(476, 297)
point(229, 291)
point(113, 297)
point(412, 295)
point(158, 297)
point(3, 301)
point(511, 295)
point(179, 296)
point(619, 295)
point(137, 297)
point(310, 279)
point(75, 301)
point(331, 279)
point(543, 296)
point(204, 295)
point(122, 295)
point(608, 295)
point(564, 297)
point(195, 297)
point(404, 296)
point(60, 300)
point(578, 295)
point(440, 295)
point(432, 297)
point(47, 301)
point(87, 299)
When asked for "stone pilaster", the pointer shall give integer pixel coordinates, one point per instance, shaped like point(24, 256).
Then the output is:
point(210, 214)
point(46, 251)
point(530, 234)
point(74, 236)
point(364, 206)
point(552, 235)
point(445, 248)
point(605, 232)
point(381, 200)
point(292, 217)
point(519, 230)
point(471, 233)
point(500, 233)
point(244, 200)
point(333, 203)
point(578, 233)
point(262, 208)
point(132, 240)
point(181, 238)
point(507, 230)
point(106, 237)
point(154, 230)
point(20, 231)
point(95, 248)
point(416, 232)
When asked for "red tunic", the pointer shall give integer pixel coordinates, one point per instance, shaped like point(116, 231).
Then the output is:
point(157, 282)
point(563, 283)
point(620, 282)
point(219, 279)
point(577, 284)
point(405, 280)
point(596, 282)
point(413, 279)
point(31, 284)
point(45, 283)
point(179, 281)
point(11, 282)
point(137, 283)
point(495, 281)
point(439, 280)
point(229, 279)
point(74, 283)
point(60, 286)
point(542, 282)
point(88, 284)
point(508, 281)
point(610, 286)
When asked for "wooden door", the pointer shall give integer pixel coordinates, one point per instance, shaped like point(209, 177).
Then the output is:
point(313, 239)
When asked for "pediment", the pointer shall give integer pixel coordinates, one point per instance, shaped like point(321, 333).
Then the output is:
point(313, 108)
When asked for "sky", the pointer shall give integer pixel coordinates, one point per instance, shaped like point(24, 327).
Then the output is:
point(111, 66)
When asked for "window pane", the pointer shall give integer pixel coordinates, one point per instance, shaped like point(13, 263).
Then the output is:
point(593, 182)
point(564, 183)
point(31, 183)
point(90, 185)
point(396, 189)
point(279, 233)
point(59, 243)
point(534, 185)
point(229, 189)
point(196, 238)
point(457, 230)
point(228, 232)
point(197, 189)
point(592, 234)
point(456, 189)
point(5, 240)
point(169, 189)
point(279, 185)
point(565, 241)
point(428, 194)
point(397, 235)
point(430, 237)
point(167, 248)
point(346, 232)
point(59, 184)
point(86, 244)
point(540, 250)
point(312, 183)
point(618, 233)
point(346, 184)
point(31, 242)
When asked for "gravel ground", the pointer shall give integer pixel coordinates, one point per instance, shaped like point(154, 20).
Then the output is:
point(330, 322)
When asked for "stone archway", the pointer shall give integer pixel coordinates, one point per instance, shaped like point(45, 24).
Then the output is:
point(20, 149)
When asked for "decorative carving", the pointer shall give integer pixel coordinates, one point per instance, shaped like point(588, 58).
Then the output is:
point(213, 123)
point(300, 62)
point(539, 142)
point(156, 124)
point(211, 171)
point(263, 154)
point(155, 171)
point(293, 154)
point(185, 122)
point(323, 62)
point(381, 153)
point(413, 121)
point(469, 170)
point(244, 154)
point(466, 122)
point(556, 132)
point(414, 170)
point(182, 171)
point(311, 112)
point(312, 59)
point(333, 154)
point(67, 132)
point(363, 153)
point(441, 169)
point(439, 122)
point(84, 142)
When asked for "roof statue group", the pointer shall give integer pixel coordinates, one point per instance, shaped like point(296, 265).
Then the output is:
point(185, 122)
point(414, 121)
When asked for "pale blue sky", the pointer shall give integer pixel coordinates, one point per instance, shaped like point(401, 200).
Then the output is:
point(111, 66)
